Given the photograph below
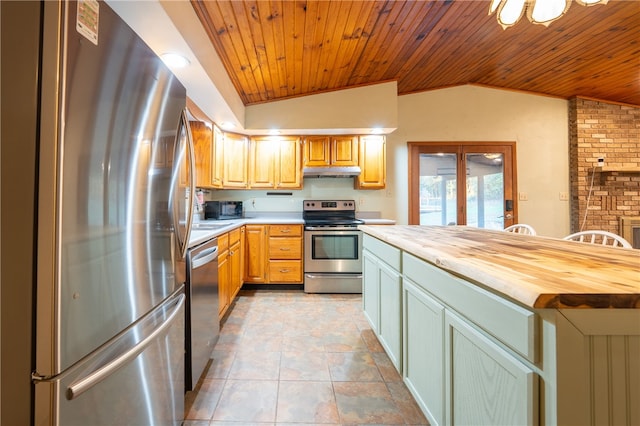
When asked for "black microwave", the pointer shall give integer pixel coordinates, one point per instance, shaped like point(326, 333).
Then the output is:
point(223, 209)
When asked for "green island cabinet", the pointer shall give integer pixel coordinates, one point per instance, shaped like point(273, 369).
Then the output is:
point(382, 294)
point(472, 355)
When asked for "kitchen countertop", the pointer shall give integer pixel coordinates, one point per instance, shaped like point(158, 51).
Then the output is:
point(540, 272)
point(201, 232)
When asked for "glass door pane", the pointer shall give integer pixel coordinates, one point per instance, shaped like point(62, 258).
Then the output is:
point(438, 202)
point(485, 190)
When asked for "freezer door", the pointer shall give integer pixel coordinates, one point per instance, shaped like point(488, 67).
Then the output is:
point(136, 378)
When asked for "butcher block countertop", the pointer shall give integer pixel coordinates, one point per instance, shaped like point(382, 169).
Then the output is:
point(539, 272)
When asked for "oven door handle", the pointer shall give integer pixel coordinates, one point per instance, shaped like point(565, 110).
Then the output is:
point(328, 275)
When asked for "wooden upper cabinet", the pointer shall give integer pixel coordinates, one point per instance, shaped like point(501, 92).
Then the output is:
point(289, 163)
point(217, 158)
point(327, 151)
point(274, 162)
point(262, 167)
point(316, 151)
point(344, 151)
point(235, 162)
point(372, 162)
point(207, 145)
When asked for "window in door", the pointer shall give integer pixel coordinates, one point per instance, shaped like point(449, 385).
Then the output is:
point(462, 184)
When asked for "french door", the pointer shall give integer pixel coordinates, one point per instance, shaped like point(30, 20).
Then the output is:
point(458, 183)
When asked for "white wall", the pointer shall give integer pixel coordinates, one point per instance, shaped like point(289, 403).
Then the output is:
point(538, 124)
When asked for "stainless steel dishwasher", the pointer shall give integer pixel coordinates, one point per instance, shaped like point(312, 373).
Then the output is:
point(202, 325)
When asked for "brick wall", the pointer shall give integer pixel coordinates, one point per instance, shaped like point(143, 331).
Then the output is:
point(598, 129)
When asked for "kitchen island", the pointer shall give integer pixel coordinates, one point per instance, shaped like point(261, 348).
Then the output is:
point(489, 327)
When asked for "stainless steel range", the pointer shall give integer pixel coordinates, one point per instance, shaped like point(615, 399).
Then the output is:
point(332, 247)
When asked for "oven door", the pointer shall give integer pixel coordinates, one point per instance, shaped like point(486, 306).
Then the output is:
point(332, 251)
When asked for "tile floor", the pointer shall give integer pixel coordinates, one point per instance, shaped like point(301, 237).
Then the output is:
point(289, 358)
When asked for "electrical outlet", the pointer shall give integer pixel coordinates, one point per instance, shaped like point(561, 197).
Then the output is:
point(523, 196)
point(564, 196)
point(361, 201)
point(389, 193)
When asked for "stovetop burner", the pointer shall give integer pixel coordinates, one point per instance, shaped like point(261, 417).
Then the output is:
point(330, 213)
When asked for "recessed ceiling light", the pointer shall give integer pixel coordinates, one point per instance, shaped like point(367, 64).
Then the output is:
point(174, 60)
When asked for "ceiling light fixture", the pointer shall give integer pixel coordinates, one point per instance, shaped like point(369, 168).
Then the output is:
point(174, 60)
point(541, 12)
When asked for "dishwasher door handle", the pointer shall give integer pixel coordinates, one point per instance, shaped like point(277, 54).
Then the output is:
point(204, 257)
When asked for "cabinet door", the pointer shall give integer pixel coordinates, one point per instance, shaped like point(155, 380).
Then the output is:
point(262, 162)
point(316, 151)
point(235, 161)
point(344, 151)
point(288, 164)
point(217, 158)
point(224, 276)
point(202, 149)
point(372, 161)
point(390, 333)
point(255, 253)
point(423, 349)
point(235, 270)
point(485, 384)
point(371, 289)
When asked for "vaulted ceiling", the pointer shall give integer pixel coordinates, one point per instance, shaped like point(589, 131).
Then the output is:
point(277, 49)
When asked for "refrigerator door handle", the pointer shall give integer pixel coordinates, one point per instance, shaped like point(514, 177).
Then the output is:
point(183, 239)
point(85, 383)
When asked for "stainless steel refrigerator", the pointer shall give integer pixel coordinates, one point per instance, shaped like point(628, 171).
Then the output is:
point(113, 189)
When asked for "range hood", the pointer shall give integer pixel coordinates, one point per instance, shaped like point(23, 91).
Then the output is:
point(335, 172)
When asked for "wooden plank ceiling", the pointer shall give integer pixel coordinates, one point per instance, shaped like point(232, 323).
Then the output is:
point(276, 49)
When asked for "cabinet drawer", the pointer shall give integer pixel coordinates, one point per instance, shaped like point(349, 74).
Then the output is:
point(383, 251)
point(285, 230)
point(282, 271)
point(511, 324)
point(223, 242)
point(285, 248)
point(234, 236)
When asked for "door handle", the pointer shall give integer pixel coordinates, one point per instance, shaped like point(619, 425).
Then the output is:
point(204, 257)
point(82, 385)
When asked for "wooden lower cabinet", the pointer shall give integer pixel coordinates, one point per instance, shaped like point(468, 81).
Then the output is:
point(224, 275)
point(255, 254)
point(273, 254)
point(229, 268)
point(235, 263)
point(285, 254)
